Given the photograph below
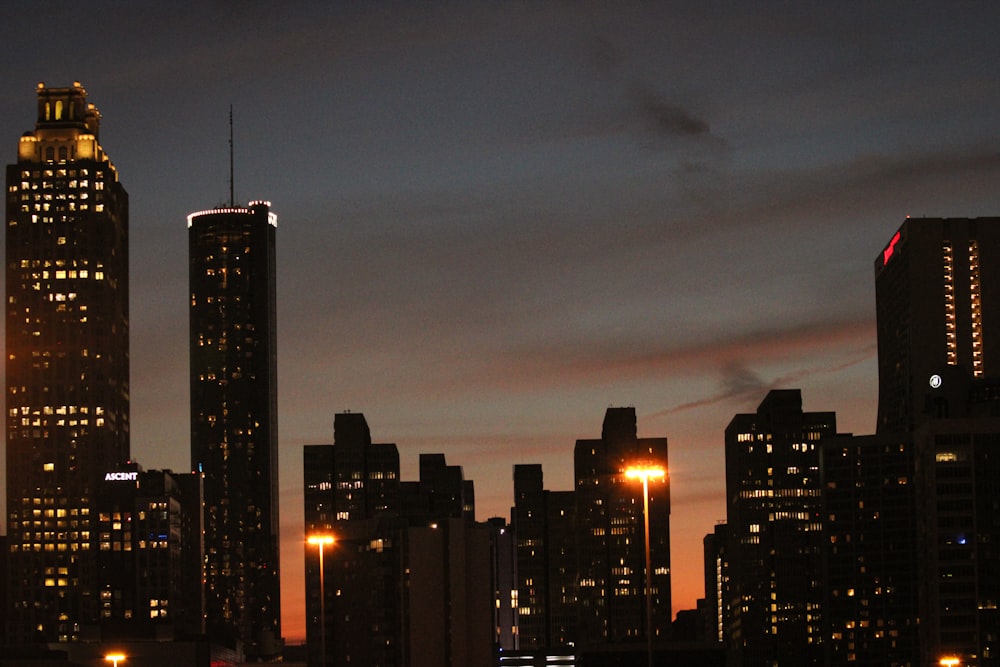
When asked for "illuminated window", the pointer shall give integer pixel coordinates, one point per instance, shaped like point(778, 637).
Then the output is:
point(976, 305)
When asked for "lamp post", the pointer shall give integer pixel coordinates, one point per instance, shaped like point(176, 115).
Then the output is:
point(114, 658)
point(321, 541)
point(645, 473)
point(949, 661)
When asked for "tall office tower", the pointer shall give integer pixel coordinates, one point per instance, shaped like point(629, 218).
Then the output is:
point(234, 420)
point(937, 298)
point(544, 524)
point(773, 503)
point(937, 288)
point(870, 561)
point(610, 535)
point(67, 365)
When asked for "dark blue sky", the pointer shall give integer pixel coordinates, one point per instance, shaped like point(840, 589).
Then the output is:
point(497, 219)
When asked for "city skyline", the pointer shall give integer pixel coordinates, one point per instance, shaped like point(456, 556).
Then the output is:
point(517, 216)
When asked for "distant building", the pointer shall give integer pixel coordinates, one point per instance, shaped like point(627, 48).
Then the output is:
point(504, 576)
point(774, 504)
point(544, 525)
point(610, 535)
point(937, 300)
point(234, 421)
point(937, 290)
point(871, 547)
point(352, 494)
point(67, 363)
point(409, 577)
point(718, 594)
point(149, 554)
point(447, 595)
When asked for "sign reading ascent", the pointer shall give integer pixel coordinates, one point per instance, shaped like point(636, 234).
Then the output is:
point(121, 476)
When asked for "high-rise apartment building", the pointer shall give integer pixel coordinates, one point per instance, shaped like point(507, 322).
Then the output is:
point(408, 577)
point(937, 299)
point(544, 525)
point(871, 551)
point(610, 535)
point(774, 525)
point(352, 493)
point(67, 362)
point(234, 420)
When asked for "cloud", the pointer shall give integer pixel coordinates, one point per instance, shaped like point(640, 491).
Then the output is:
point(664, 118)
point(739, 383)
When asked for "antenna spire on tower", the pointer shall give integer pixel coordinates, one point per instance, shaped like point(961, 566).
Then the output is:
point(232, 196)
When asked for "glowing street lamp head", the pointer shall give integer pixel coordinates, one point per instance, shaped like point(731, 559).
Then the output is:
point(645, 472)
point(114, 658)
point(320, 540)
point(949, 661)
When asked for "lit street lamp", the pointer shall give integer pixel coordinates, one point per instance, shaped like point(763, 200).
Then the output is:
point(114, 658)
point(949, 661)
point(321, 541)
point(645, 473)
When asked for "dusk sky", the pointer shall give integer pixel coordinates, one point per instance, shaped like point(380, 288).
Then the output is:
point(496, 219)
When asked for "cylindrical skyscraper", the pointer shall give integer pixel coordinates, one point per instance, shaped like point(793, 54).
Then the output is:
point(234, 425)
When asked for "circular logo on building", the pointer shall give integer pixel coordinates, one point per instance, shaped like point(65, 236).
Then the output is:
point(935, 381)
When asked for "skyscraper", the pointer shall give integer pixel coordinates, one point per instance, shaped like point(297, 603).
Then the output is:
point(937, 299)
point(67, 364)
point(937, 289)
point(773, 504)
point(609, 514)
point(352, 492)
point(234, 425)
point(544, 525)
point(871, 551)
point(407, 577)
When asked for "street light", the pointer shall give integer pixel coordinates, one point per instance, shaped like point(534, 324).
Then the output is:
point(645, 473)
point(949, 661)
point(114, 658)
point(321, 541)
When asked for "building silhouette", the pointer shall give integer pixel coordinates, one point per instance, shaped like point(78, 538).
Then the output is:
point(409, 579)
point(544, 525)
point(234, 428)
point(774, 525)
point(67, 368)
point(937, 290)
point(937, 300)
point(871, 562)
point(149, 526)
point(718, 595)
point(352, 493)
point(609, 533)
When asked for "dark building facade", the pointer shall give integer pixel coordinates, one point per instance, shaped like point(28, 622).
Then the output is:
point(149, 530)
point(937, 300)
point(67, 363)
point(871, 551)
point(544, 525)
point(773, 518)
point(409, 579)
point(717, 590)
point(234, 420)
point(937, 288)
point(352, 492)
point(610, 535)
